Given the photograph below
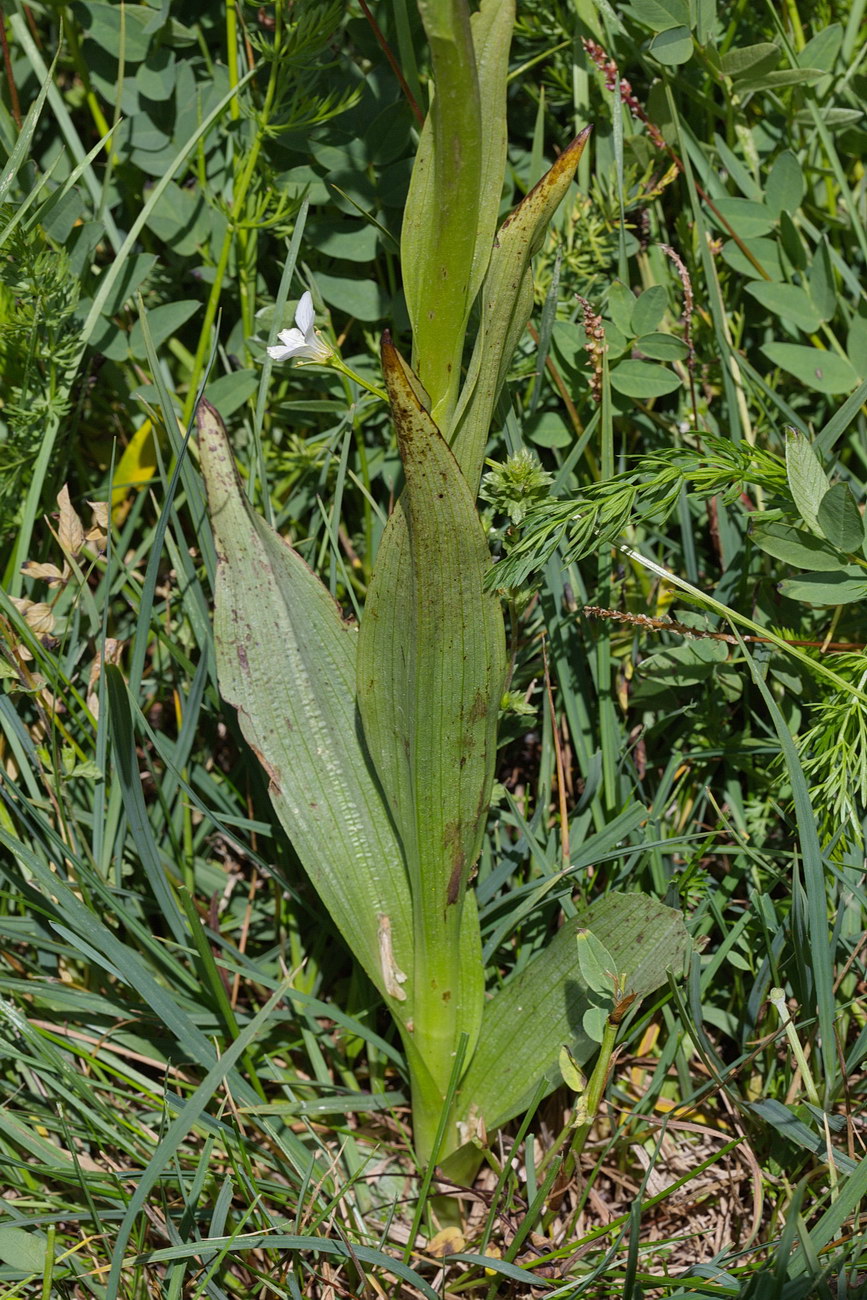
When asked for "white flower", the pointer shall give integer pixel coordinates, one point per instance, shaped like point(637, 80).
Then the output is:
point(303, 341)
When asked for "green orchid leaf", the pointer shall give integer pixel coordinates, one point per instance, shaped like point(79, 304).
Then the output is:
point(507, 300)
point(492, 27)
point(454, 195)
point(431, 670)
point(529, 1020)
point(286, 660)
point(21, 1250)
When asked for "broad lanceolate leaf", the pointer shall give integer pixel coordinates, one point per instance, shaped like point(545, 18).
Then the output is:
point(644, 380)
point(673, 46)
point(787, 301)
point(492, 27)
point(528, 1021)
point(286, 660)
point(507, 300)
point(660, 15)
point(796, 547)
point(826, 372)
point(807, 481)
point(841, 588)
point(431, 670)
point(22, 1250)
point(454, 194)
point(840, 519)
point(785, 188)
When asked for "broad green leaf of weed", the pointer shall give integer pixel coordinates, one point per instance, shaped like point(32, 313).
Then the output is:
point(765, 251)
point(796, 547)
point(595, 962)
point(840, 519)
point(649, 309)
point(660, 15)
point(789, 302)
point(785, 187)
point(749, 60)
point(662, 347)
point(856, 345)
point(621, 306)
point(644, 380)
point(672, 47)
point(842, 588)
point(747, 218)
point(807, 480)
point(823, 290)
point(780, 79)
point(286, 661)
point(164, 322)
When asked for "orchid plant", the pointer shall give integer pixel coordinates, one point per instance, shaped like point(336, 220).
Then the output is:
point(380, 739)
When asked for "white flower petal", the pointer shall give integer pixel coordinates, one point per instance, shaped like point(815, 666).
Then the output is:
point(292, 344)
point(292, 338)
point(278, 353)
point(305, 315)
point(303, 341)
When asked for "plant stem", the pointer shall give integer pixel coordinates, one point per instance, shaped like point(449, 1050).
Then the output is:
point(234, 228)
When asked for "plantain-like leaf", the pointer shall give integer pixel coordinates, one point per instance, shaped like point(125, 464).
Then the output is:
point(507, 300)
point(454, 195)
point(527, 1022)
point(431, 670)
point(492, 27)
point(286, 660)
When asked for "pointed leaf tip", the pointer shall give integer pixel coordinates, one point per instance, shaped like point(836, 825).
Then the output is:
point(405, 390)
point(562, 169)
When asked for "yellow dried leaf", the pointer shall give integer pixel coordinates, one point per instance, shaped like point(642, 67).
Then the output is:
point(98, 530)
point(46, 572)
point(99, 514)
point(448, 1241)
point(36, 614)
point(40, 616)
point(110, 654)
point(70, 531)
point(493, 1252)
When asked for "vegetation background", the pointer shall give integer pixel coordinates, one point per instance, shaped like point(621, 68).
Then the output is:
point(176, 176)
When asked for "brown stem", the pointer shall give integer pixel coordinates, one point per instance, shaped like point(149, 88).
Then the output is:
point(393, 63)
point(14, 102)
point(671, 625)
